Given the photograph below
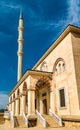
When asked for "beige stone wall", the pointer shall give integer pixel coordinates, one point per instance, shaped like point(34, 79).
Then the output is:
point(68, 49)
point(76, 53)
point(66, 79)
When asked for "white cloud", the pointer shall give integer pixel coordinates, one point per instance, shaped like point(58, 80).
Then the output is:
point(10, 5)
point(3, 99)
point(74, 11)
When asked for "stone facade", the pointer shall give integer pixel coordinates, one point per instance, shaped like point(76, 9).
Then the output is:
point(54, 82)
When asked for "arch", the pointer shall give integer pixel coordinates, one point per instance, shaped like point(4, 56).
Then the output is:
point(44, 66)
point(24, 87)
point(59, 67)
point(43, 81)
point(14, 96)
point(18, 92)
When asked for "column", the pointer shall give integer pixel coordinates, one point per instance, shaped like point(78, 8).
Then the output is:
point(31, 102)
point(17, 109)
point(20, 104)
point(23, 103)
point(13, 108)
point(10, 106)
point(41, 107)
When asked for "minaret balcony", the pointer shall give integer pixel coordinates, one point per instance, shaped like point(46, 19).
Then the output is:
point(20, 40)
point(20, 28)
point(19, 53)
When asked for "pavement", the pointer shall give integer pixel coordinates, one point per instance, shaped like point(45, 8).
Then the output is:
point(5, 127)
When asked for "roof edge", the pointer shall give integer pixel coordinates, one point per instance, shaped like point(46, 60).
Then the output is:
point(69, 28)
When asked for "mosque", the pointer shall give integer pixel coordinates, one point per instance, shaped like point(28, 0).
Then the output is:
point(51, 89)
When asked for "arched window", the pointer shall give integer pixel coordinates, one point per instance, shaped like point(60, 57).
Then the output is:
point(44, 66)
point(59, 66)
point(63, 66)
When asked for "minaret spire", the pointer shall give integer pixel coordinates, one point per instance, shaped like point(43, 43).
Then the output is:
point(20, 46)
point(21, 14)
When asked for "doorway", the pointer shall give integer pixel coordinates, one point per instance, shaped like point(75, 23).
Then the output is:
point(44, 106)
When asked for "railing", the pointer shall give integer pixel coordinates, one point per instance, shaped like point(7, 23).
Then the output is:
point(12, 119)
point(55, 117)
point(6, 114)
point(25, 119)
point(41, 119)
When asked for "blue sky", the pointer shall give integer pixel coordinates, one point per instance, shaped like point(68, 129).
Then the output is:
point(44, 20)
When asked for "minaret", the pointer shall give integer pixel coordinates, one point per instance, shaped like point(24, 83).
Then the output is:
point(20, 46)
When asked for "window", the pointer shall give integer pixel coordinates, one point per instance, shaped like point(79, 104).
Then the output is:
point(59, 66)
point(63, 66)
point(44, 66)
point(62, 97)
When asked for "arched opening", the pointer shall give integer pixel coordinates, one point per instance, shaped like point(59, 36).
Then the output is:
point(43, 96)
point(18, 92)
point(24, 87)
point(59, 66)
point(14, 96)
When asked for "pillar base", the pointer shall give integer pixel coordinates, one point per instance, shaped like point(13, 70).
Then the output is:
point(31, 116)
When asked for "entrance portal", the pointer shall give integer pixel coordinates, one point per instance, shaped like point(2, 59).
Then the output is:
point(44, 106)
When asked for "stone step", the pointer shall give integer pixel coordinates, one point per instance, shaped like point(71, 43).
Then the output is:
point(19, 122)
point(50, 121)
point(8, 123)
point(39, 125)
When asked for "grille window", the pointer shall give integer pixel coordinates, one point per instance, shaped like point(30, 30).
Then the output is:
point(62, 97)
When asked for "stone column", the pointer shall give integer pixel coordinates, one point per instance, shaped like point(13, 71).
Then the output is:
point(23, 103)
point(13, 107)
point(17, 109)
point(41, 106)
point(31, 102)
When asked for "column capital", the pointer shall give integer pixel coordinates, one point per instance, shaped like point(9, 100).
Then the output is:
point(13, 100)
point(23, 93)
point(31, 88)
point(50, 89)
point(17, 97)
